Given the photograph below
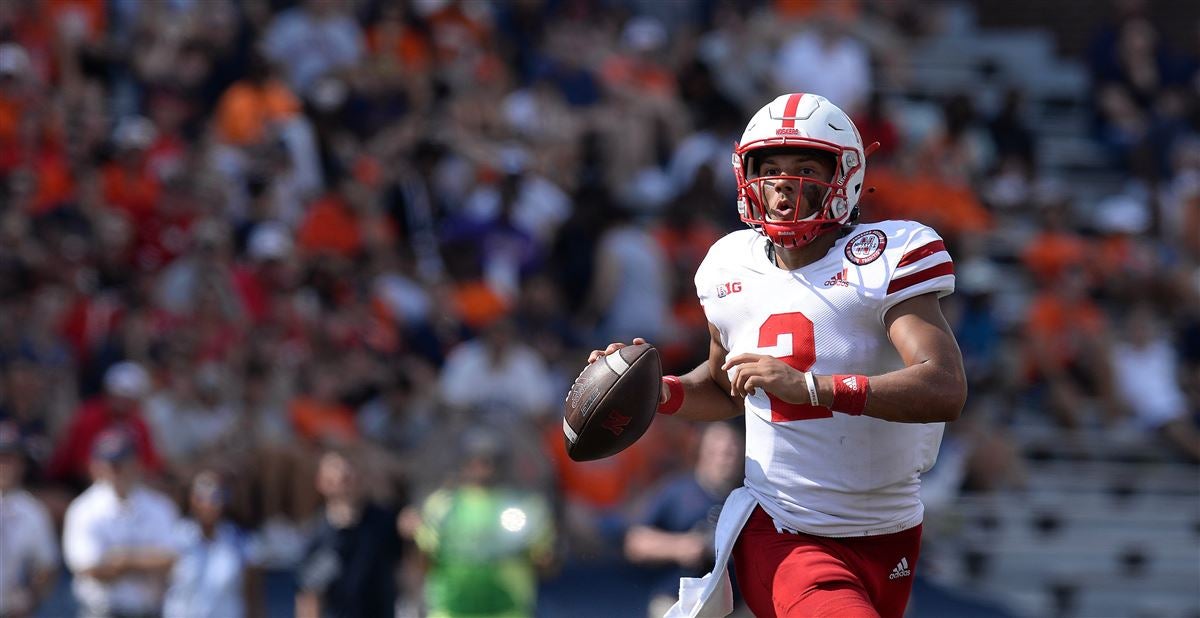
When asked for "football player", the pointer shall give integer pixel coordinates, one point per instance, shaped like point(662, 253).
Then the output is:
point(827, 334)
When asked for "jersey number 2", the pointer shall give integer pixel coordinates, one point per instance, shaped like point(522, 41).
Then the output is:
point(804, 354)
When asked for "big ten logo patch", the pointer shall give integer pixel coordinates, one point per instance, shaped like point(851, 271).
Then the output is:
point(729, 287)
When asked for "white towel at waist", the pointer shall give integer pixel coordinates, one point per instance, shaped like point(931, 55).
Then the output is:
point(711, 596)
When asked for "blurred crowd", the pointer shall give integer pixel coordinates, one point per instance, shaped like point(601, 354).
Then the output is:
point(299, 286)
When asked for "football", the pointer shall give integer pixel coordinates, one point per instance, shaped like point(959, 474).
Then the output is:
point(612, 403)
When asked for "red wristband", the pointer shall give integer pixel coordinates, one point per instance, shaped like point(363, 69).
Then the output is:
point(675, 399)
point(850, 394)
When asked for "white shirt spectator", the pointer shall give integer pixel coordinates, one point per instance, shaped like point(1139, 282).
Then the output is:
point(99, 522)
point(206, 581)
point(27, 544)
point(308, 44)
point(839, 69)
point(519, 382)
point(540, 207)
point(1149, 386)
point(638, 303)
point(186, 429)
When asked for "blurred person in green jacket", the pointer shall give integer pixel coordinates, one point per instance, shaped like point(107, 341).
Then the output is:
point(484, 543)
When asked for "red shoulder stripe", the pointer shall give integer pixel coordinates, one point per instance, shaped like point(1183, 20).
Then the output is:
point(907, 281)
point(921, 252)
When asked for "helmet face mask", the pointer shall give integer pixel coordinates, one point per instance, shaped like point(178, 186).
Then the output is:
point(800, 124)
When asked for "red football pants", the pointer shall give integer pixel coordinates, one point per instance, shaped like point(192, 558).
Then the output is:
point(801, 575)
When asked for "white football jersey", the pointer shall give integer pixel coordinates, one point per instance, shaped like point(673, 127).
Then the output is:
point(813, 470)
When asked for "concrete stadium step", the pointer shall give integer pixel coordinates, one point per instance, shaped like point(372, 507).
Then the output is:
point(1119, 478)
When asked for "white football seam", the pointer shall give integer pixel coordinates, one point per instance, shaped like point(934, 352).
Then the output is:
point(571, 435)
point(619, 366)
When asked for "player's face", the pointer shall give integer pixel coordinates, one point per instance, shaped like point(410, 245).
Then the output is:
point(793, 200)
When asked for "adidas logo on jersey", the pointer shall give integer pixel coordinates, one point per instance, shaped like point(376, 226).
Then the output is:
point(838, 279)
point(901, 570)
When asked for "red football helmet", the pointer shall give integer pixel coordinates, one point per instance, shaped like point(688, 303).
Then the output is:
point(800, 121)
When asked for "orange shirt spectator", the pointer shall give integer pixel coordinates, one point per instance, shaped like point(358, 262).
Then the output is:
point(952, 209)
point(638, 76)
point(685, 247)
point(55, 185)
point(330, 226)
point(456, 33)
point(1051, 253)
point(1061, 325)
point(605, 483)
point(133, 189)
point(397, 42)
point(478, 304)
point(318, 419)
point(246, 110)
point(845, 10)
point(84, 19)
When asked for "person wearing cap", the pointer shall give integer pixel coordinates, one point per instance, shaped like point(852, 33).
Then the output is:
point(126, 384)
point(268, 270)
point(16, 93)
point(117, 535)
point(130, 184)
point(209, 580)
point(28, 549)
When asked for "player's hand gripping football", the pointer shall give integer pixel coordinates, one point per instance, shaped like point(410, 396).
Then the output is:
point(753, 371)
point(613, 347)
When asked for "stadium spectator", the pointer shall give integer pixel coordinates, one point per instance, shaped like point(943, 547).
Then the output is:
point(191, 419)
point(1066, 352)
point(317, 412)
point(248, 111)
point(876, 124)
point(1149, 387)
point(823, 56)
point(498, 376)
point(630, 286)
point(118, 535)
point(349, 567)
point(126, 384)
point(29, 557)
point(596, 494)
point(484, 542)
point(213, 576)
point(675, 530)
point(312, 41)
point(26, 401)
point(960, 150)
